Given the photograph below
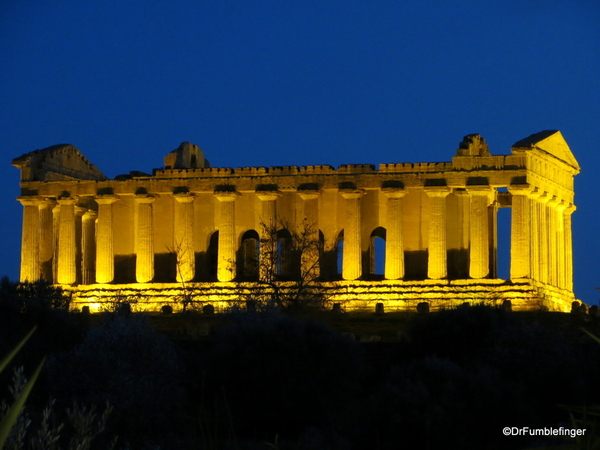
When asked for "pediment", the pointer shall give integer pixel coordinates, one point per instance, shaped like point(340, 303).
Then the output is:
point(551, 142)
point(61, 162)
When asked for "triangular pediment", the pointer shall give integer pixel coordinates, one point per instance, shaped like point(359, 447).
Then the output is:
point(551, 142)
point(57, 163)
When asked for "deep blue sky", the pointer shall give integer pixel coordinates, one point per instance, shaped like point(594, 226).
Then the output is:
point(265, 83)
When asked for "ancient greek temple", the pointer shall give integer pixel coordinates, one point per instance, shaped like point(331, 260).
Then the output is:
point(395, 235)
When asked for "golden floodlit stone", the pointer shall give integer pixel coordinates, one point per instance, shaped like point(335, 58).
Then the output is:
point(191, 230)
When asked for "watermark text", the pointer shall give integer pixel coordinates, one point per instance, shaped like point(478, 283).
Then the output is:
point(546, 431)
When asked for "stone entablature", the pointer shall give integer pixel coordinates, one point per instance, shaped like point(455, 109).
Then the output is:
point(192, 224)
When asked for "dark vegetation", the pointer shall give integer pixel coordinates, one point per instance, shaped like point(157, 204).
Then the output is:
point(267, 380)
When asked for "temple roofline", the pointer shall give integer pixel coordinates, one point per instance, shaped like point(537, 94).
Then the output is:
point(56, 163)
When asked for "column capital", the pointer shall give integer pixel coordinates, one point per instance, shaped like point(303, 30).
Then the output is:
point(570, 209)
point(183, 197)
point(349, 194)
point(47, 202)
point(105, 199)
point(535, 193)
point(437, 191)
point(309, 194)
point(553, 201)
point(27, 200)
point(520, 189)
point(393, 192)
point(267, 196)
point(226, 196)
point(480, 191)
point(561, 206)
point(90, 214)
point(143, 198)
point(544, 198)
point(67, 201)
point(80, 210)
point(461, 192)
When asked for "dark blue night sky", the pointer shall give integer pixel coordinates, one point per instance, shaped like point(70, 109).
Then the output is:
point(266, 83)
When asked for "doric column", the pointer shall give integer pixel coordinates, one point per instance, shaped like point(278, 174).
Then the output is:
point(479, 255)
point(46, 238)
point(105, 259)
point(67, 242)
point(79, 212)
point(520, 236)
point(534, 233)
point(394, 246)
point(184, 236)
point(569, 247)
point(268, 233)
point(144, 239)
point(268, 209)
point(552, 240)
point(226, 247)
point(88, 247)
point(30, 251)
point(543, 232)
point(351, 262)
point(55, 236)
point(560, 244)
point(310, 258)
point(437, 265)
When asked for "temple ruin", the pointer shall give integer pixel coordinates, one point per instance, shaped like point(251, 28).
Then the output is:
point(396, 235)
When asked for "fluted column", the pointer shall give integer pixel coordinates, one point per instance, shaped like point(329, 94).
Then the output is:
point(55, 238)
point(543, 233)
point(520, 235)
point(569, 247)
point(144, 239)
point(268, 234)
point(552, 241)
point(88, 247)
point(534, 232)
point(67, 244)
point(437, 265)
point(479, 255)
point(30, 251)
point(394, 245)
point(226, 270)
point(184, 236)
point(560, 244)
point(351, 262)
point(105, 258)
point(46, 238)
point(79, 212)
point(310, 258)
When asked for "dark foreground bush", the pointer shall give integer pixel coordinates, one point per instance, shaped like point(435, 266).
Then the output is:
point(126, 363)
point(39, 304)
point(483, 335)
point(437, 403)
point(281, 375)
point(474, 369)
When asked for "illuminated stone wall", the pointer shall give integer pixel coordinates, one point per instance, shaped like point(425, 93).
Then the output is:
point(189, 227)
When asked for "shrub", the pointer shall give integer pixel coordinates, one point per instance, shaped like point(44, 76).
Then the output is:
point(281, 375)
point(126, 363)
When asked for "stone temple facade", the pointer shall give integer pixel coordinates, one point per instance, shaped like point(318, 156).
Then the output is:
point(397, 234)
